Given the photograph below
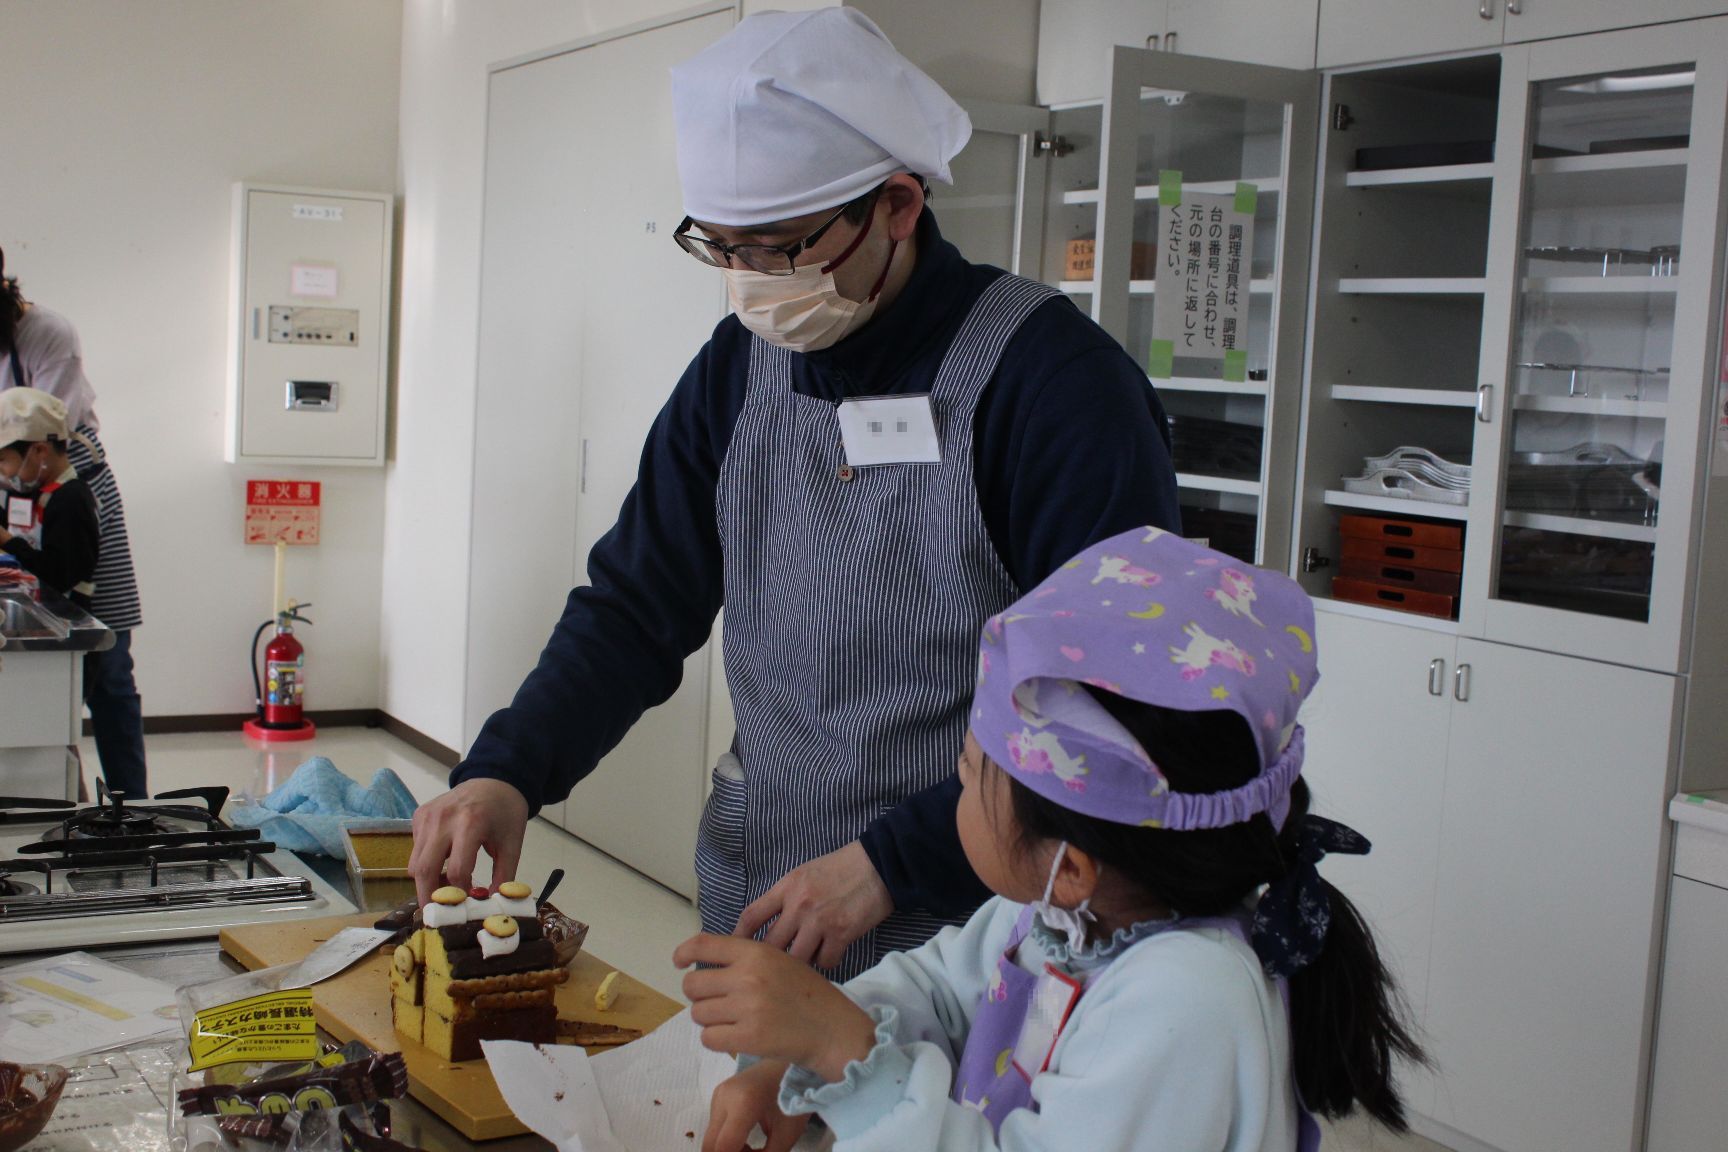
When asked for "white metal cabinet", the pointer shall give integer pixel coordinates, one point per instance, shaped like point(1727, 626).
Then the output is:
point(1549, 899)
point(1075, 37)
point(1688, 1109)
point(1542, 19)
point(1387, 779)
point(1074, 41)
point(37, 701)
point(1360, 31)
point(1281, 34)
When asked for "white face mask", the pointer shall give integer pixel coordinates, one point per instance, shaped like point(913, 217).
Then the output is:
point(805, 311)
point(1071, 922)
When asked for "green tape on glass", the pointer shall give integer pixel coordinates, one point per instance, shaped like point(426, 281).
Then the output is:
point(1162, 364)
point(1247, 196)
point(1169, 188)
point(1235, 364)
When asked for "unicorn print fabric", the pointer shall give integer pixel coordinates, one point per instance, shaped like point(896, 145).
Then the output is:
point(1156, 618)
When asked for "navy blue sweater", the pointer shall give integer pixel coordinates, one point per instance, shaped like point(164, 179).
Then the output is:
point(1070, 447)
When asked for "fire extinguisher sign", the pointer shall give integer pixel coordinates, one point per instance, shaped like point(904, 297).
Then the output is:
point(282, 510)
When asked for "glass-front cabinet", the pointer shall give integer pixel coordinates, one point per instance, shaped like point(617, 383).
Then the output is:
point(1511, 375)
point(1200, 271)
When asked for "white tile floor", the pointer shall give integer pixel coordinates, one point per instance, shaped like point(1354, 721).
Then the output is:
point(634, 923)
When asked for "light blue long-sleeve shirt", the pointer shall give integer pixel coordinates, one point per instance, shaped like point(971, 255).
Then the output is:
point(1180, 1043)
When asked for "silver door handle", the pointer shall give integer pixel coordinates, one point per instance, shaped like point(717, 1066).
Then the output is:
point(1436, 677)
point(1169, 41)
point(1485, 9)
point(1154, 42)
point(1485, 404)
point(583, 483)
point(1461, 683)
point(1514, 7)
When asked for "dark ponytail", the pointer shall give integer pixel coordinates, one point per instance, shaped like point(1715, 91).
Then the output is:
point(1347, 1020)
point(11, 308)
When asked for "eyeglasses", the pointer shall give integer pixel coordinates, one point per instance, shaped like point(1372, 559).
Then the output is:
point(774, 260)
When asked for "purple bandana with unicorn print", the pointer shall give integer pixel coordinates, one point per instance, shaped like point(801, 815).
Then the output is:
point(1156, 618)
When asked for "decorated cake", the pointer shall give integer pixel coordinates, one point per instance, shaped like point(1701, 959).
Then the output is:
point(479, 967)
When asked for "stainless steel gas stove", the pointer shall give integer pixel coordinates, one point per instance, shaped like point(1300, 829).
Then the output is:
point(124, 873)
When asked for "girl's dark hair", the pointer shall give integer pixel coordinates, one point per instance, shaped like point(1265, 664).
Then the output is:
point(1347, 1020)
point(11, 306)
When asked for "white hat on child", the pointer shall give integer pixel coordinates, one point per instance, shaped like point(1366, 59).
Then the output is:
point(31, 415)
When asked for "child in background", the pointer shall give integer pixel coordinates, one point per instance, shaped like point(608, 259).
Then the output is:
point(1163, 967)
point(50, 524)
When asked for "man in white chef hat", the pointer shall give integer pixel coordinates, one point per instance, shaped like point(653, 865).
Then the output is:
point(881, 448)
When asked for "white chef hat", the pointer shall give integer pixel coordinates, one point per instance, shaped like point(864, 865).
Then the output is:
point(794, 112)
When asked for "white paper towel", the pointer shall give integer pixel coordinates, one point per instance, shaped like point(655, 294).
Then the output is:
point(647, 1096)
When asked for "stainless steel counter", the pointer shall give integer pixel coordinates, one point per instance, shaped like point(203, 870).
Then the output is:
point(199, 961)
point(69, 627)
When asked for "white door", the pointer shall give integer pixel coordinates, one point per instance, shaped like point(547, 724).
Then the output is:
point(1544, 19)
point(994, 211)
point(1377, 729)
point(1549, 901)
point(1360, 31)
point(1252, 31)
point(589, 314)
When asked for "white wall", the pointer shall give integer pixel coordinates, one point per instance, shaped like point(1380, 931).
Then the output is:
point(125, 124)
point(446, 48)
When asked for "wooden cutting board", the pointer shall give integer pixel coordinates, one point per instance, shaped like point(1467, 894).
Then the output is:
point(355, 1005)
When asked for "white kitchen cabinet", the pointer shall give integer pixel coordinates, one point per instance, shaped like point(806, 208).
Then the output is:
point(1359, 31)
point(1549, 896)
point(1385, 780)
point(1366, 31)
point(1252, 31)
point(1488, 785)
point(1545, 317)
point(40, 702)
point(571, 374)
point(1688, 1108)
point(1542, 19)
point(1075, 37)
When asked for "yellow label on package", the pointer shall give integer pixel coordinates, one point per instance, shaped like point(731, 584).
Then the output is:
point(277, 1026)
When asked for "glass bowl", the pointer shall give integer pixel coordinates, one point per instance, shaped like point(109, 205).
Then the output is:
point(28, 1093)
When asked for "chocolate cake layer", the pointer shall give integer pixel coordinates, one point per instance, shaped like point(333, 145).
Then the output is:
point(471, 964)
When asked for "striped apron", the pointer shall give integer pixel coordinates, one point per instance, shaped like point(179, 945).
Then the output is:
point(116, 602)
point(852, 614)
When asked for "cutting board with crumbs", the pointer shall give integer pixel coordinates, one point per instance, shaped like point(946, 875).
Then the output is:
point(355, 1005)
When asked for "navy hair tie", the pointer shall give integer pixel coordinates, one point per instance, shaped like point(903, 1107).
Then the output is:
point(1291, 919)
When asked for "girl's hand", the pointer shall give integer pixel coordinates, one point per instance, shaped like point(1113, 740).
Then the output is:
point(759, 1000)
point(746, 1100)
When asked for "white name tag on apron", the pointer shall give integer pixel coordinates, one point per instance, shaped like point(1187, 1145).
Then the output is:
point(20, 514)
point(1053, 998)
point(889, 430)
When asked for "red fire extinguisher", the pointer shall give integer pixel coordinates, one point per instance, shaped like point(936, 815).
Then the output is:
point(281, 689)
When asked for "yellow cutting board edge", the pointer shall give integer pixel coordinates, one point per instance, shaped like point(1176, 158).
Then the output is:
point(355, 1005)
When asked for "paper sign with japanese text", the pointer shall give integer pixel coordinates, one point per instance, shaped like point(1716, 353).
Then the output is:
point(1205, 255)
point(285, 510)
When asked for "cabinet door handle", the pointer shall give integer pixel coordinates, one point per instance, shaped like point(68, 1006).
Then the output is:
point(1485, 404)
point(1514, 7)
point(1461, 683)
point(1436, 677)
point(1169, 41)
point(1485, 9)
point(583, 482)
point(1154, 42)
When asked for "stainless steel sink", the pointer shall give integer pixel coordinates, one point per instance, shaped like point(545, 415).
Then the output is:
point(22, 619)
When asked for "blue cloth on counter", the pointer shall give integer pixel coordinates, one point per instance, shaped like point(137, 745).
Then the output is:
point(308, 812)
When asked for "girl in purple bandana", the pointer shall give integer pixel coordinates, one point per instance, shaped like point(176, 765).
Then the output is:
point(1163, 967)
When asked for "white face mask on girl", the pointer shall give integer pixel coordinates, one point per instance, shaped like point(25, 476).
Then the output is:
point(1071, 922)
point(804, 311)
